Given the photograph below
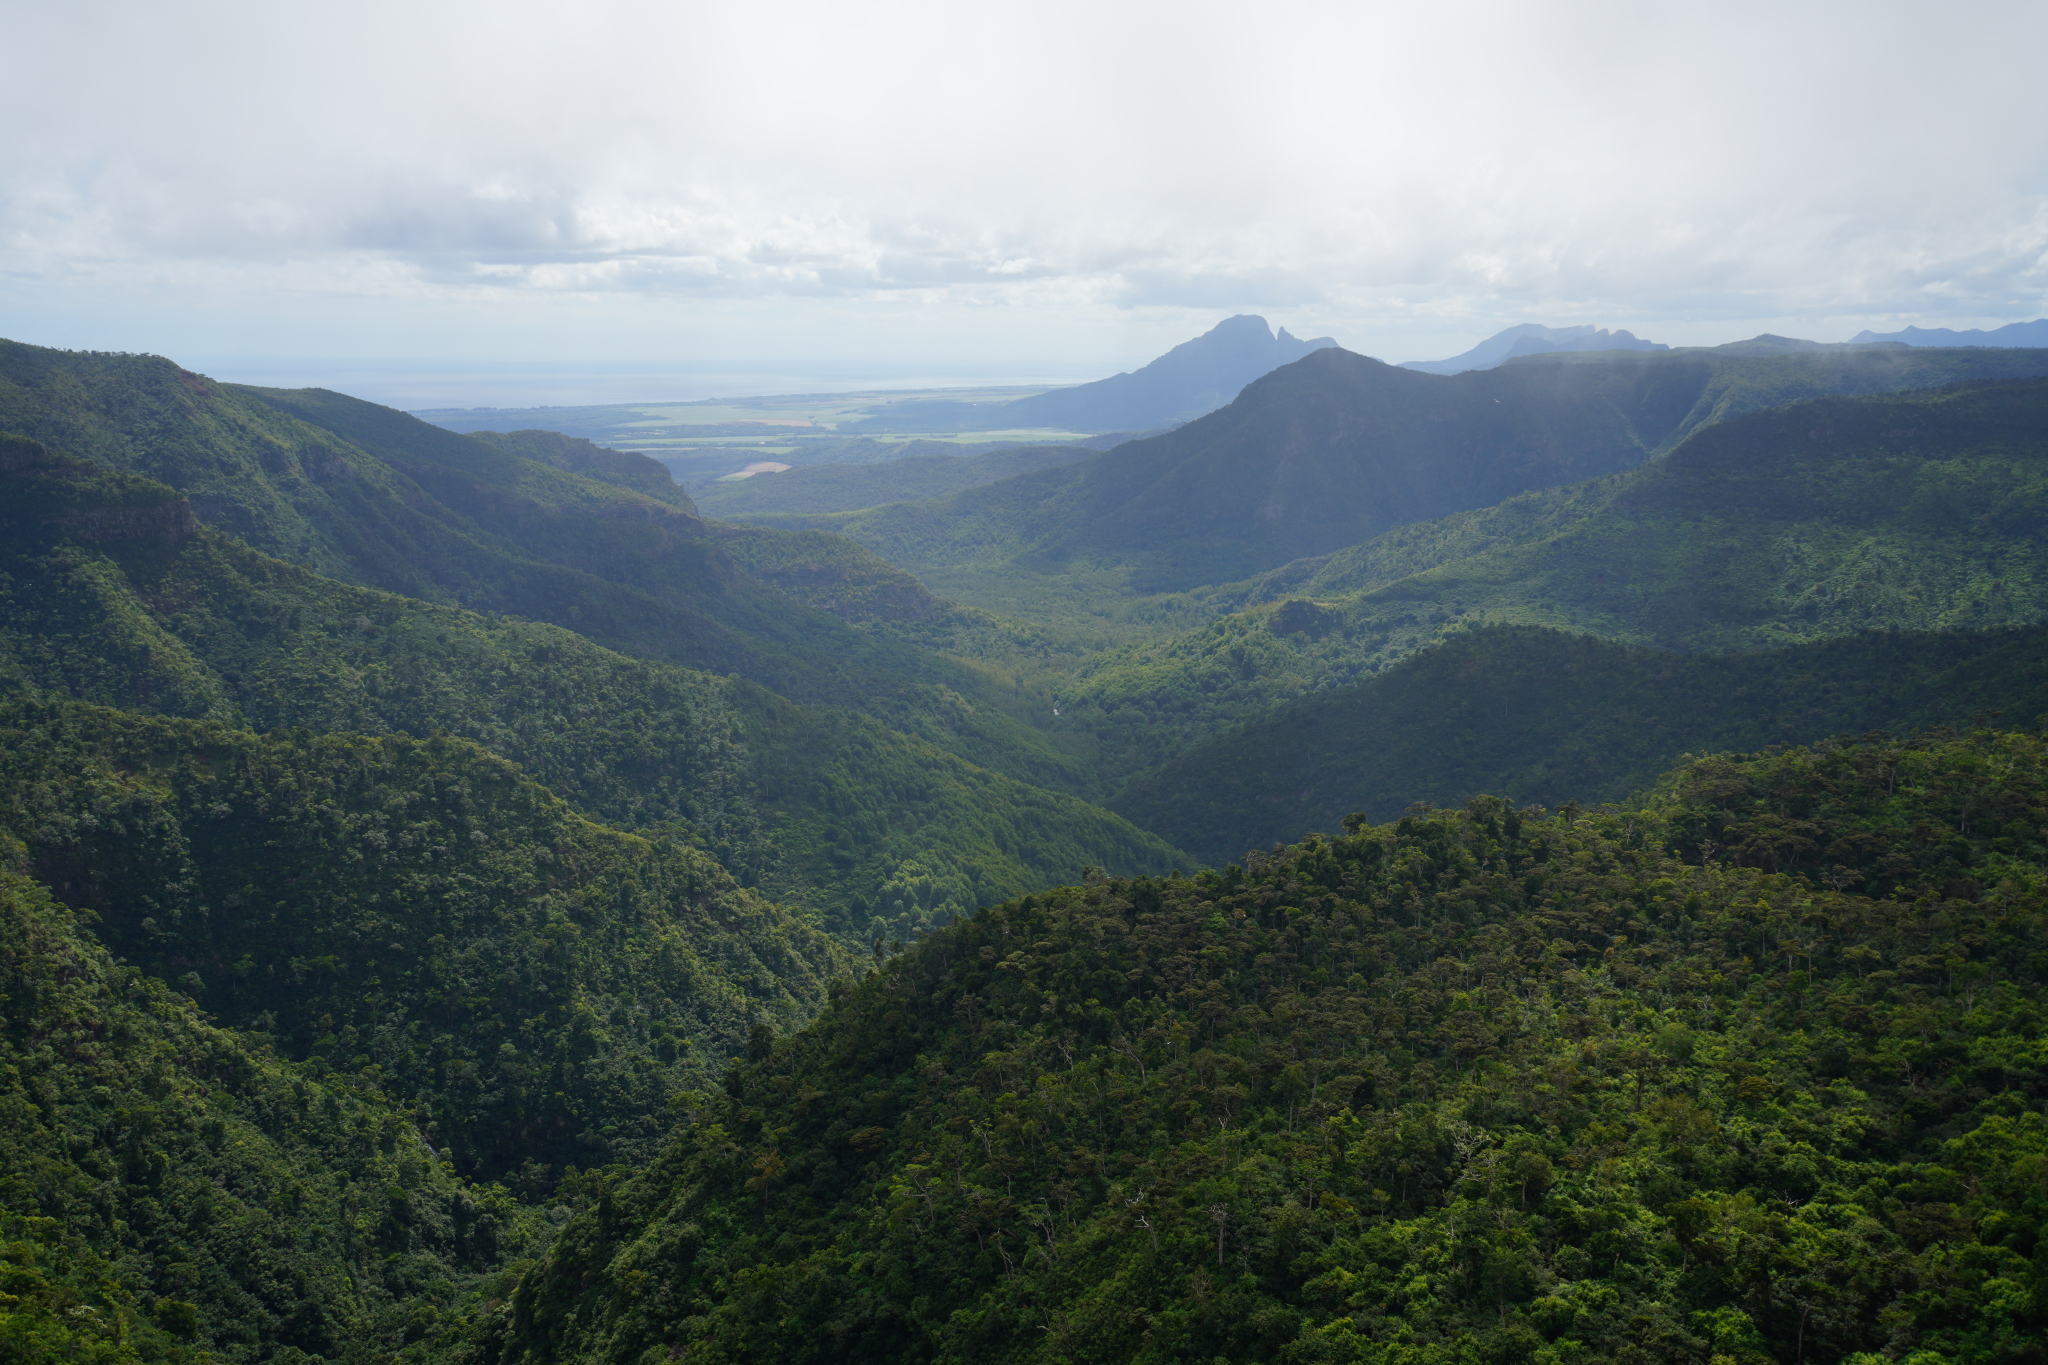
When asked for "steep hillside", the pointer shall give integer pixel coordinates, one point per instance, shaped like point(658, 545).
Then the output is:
point(1753, 1072)
point(113, 594)
point(1540, 716)
point(173, 1191)
point(1919, 512)
point(530, 524)
point(1337, 448)
point(415, 912)
point(621, 468)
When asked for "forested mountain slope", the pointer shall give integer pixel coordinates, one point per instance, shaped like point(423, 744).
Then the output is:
point(114, 594)
point(1755, 1071)
point(1918, 512)
point(532, 986)
point(1539, 715)
point(1338, 448)
point(173, 1191)
point(623, 468)
point(531, 524)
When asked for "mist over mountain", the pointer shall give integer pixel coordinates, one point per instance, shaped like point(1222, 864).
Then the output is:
point(1533, 338)
point(2033, 333)
point(1193, 378)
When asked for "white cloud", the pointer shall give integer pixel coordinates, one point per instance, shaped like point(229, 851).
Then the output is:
point(1012, 178)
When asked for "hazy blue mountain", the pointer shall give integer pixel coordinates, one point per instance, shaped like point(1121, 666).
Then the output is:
point(1770, 343)
point(1193, 378)
point(2033, 333)
point(1533, 338)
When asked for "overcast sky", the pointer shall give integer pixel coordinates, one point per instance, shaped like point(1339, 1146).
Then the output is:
point(1012, 189)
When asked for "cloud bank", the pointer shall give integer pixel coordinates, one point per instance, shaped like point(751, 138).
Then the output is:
point(629, 175)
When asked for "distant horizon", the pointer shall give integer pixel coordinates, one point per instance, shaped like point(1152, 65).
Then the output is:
point(460, 384)
point(476, 383)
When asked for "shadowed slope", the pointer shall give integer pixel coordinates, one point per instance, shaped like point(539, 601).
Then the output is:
point(1338, 448)
point(1541, 716)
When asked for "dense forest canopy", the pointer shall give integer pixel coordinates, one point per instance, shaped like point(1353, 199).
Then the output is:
point(115, 595)
point(1753, 1070)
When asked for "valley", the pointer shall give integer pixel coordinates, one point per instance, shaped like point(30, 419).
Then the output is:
point(1270, 856)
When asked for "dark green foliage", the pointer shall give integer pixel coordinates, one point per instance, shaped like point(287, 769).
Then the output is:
point(1755, 1073)
point(186, 622)
point(172, 1191)
point(1539, 715)
point(414, 912)
point(833, 574)
point(893, 838)
point(1921, 512)
point(621, 468)
point(779, 609)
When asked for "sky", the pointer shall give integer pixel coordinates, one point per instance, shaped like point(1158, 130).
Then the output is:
point(606, 196)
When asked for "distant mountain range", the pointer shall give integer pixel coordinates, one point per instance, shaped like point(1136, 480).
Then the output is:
point(2033, 333)
point(1533, 338)
point(1194, 378)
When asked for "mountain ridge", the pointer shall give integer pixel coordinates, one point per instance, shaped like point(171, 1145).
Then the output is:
point(1335, 448)
point(2033, 333)
point(1533, 338)
point(1918, 511)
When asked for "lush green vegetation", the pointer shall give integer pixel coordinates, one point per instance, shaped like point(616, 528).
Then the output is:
point(529, 524)
point(327, 891)
point(415, 913)
point(1754, 1071)
point(1920, 512)
point(113, 596)
point(1544, 716)
point(171, 1190)
point(621, 468)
